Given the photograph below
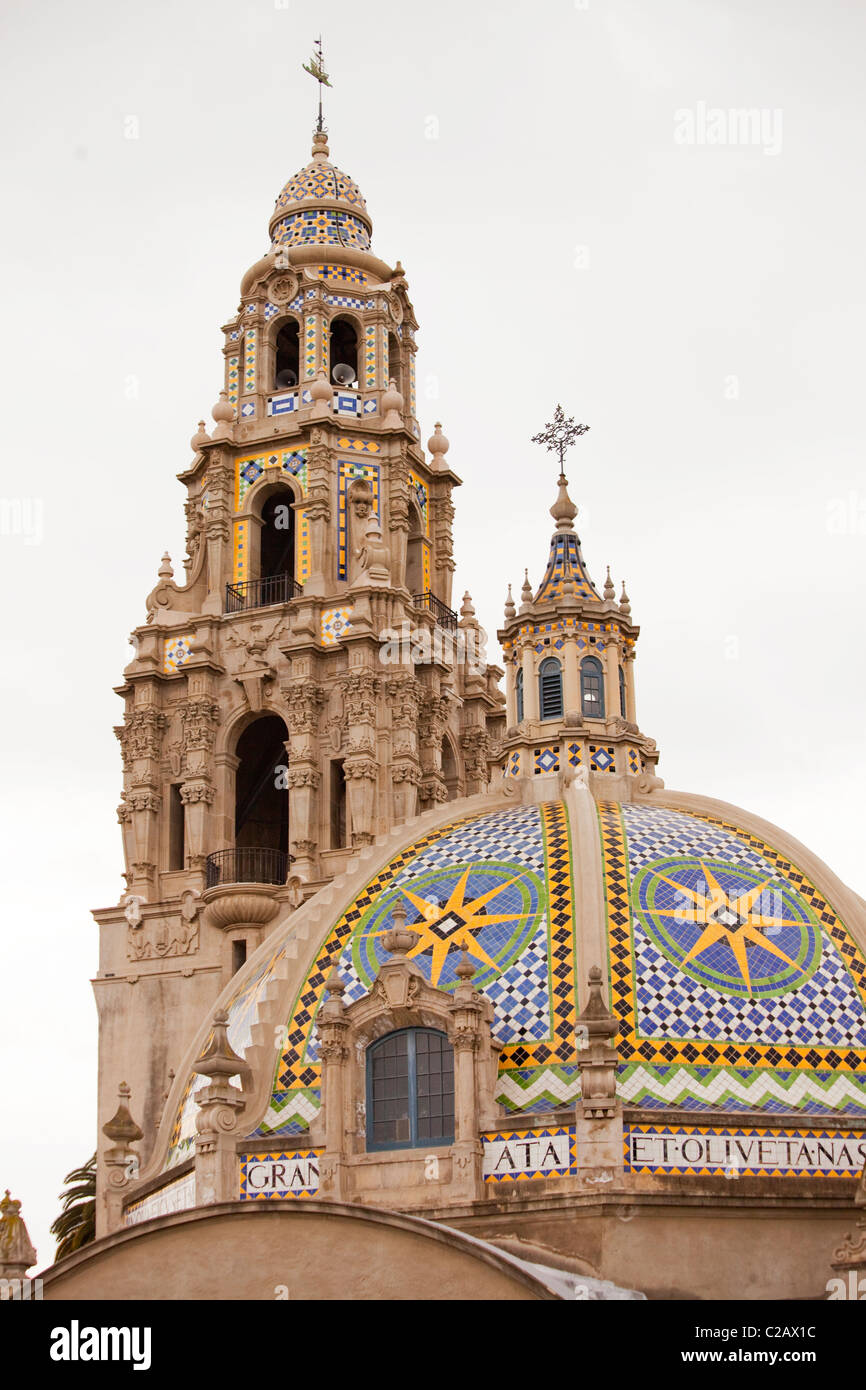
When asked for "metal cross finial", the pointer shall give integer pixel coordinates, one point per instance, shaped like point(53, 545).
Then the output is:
point(316, 68)
point(560, 434)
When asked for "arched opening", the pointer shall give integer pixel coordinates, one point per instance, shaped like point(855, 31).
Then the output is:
point(450, 769)
point(277, 548)
point(395, 364)
point(622, 700)
point(592, 688)
point(518, 690)
point(550, 688)
point(344, 352)
point(262, 801)
point(410, 1090)
point(287, 356)
point(415, 552)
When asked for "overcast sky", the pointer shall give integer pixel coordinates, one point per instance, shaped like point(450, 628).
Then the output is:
point(581, 220)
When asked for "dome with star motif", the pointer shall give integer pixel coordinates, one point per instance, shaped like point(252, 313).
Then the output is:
point(733, 959)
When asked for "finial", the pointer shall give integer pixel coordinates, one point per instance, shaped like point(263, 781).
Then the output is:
point(200, 437)
point(560, 434)
point(464, 969)
point(219, 1057)
point(438, 445)
point(467, 608)
point(392, 405)
point(510, 610)
point(526, 591)
point(335, 986)
point(316, 69)
point(624, 602)
point(399, 939)
point(165, 570)
point(609, 587)
point(121, 1129)
point(563, 510)
point(224, 414)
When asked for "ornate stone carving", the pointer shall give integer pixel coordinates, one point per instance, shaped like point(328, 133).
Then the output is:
point(365, 768)
point(476, 752)
point(359, 689)
point(143, 799)
point(191, 793)
point(157, 937)
point(140, 735)
point(304, 702)
point(302, 777)
point(406, 772)
point(283, 288)
point(199, 717)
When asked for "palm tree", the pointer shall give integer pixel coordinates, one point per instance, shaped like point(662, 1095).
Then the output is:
point(76, 1224)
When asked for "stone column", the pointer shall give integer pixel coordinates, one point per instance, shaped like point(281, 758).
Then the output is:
point(219, 1107)
point(628, 668)
point(530, 683)
point(599, 1113)
point(404, 695)
point(466, 1037)
point(304, 701)
point(316, 507)
point(476, 747)
point(432, 722)
point(121, 1163)
point(610, 660)
point(360, 689)
point(335, 1055)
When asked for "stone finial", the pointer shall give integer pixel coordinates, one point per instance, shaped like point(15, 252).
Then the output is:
point(467, 611)
point(563, 510)
point(438, 445)
point(223, 413)
point(510, 609)
point(464, 970)
point(609, 588)
point(322, 396)
point(200, 437)
point(219, 1058)
point(335, 985)
point(16, 1249)
point(320, 145)
point(399, 939)
point(121, 1129)
point(165, 570)
point(526, 591)
point(392, 405)
point(624, 601)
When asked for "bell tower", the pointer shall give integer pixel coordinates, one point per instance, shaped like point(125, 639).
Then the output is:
point(569, 663)
point(309, 684)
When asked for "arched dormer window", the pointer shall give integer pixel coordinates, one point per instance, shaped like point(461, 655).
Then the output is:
point(344, 352)
point(410, 1090)
point(622, 703)
point(518, 687)
point(287, 355)
point(592, 688)
point(550, 688)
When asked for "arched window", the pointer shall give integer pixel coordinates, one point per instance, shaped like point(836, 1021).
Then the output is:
point(286, 356)
point(410, 1090)
point(394, 362)
point(622, 704)
point(592, 687)
point(518, 687)
point(262, 802)
point(344, 352)
point(277, 548)
point(450, 769)
point(415, 552)
point(550, 688)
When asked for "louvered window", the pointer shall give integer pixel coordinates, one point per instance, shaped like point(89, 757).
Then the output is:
point(550, 688)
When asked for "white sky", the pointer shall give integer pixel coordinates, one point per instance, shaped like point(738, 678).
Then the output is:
point(700, 307)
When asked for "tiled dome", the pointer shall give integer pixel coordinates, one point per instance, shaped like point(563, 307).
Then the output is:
point(321, 205)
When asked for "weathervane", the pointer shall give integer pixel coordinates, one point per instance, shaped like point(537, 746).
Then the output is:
point(560, 434)
point(316, 68)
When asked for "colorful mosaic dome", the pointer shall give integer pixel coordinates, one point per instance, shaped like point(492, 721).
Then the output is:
point(737, 986)
point(320, 205)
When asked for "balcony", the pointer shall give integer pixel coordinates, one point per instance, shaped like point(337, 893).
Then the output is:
point(261, 593)
point(246, 866)
point(445, 617)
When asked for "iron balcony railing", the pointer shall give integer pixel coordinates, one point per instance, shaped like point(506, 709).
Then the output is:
point(261, 593)
point(246, 866)
point(429, 603)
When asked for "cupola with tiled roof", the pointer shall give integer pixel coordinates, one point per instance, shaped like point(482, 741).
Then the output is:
point(569, 659)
